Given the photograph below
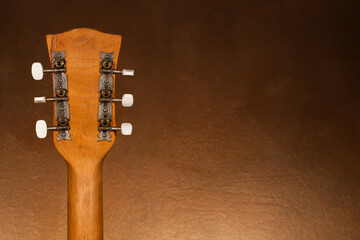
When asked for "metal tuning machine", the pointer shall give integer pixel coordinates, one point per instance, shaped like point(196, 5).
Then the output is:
point(62, 112)
point(41, 129)
point(107, 64)
point(127, 100)
point(106, 89)
point(38, 71)
point(45, 99)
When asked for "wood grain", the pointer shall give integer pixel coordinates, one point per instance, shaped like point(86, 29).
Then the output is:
point(84, 154)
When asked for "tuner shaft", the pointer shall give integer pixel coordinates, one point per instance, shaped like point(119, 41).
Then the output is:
point(57, 128)
point(126, 128)
point(124, 72)
point(127, 100)
point(54, 70)
point(52, 99)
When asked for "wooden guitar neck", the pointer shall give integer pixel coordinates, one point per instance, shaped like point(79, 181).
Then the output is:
point(85, 215)
point(83, 66)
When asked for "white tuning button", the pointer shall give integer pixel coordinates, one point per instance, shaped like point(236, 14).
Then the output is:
point(127, 72)
point(37, 71)
point(39, 100)
point(127, 100)
point(41, 129)
point(126, 128)
point(45, 99)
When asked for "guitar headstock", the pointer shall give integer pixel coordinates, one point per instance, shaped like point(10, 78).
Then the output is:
point(83, 67)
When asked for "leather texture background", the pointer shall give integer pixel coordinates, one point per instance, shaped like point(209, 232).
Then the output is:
point(246, 120)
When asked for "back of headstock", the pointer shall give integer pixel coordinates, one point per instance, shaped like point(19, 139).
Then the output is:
point(83, 63)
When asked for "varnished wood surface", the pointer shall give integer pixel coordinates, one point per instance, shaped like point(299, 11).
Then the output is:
point(84, 154)
point(83, 48)
point(85, 205)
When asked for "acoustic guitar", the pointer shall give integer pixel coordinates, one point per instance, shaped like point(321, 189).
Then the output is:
point(83, 68)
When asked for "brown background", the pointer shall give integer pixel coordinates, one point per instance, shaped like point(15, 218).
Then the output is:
point(246, 120)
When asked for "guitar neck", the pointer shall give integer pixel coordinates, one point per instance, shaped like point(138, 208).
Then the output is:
point(85, 218)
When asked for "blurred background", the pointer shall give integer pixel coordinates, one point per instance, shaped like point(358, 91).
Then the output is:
point(246, 120)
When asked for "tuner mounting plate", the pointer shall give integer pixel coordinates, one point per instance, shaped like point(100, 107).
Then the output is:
point(61, 85)
point(105, 83)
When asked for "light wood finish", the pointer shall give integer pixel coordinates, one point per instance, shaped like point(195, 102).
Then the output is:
point(84, 154)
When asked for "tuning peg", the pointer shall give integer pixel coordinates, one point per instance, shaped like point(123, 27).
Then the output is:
point(124, 72)
point(41, 128)
point(127, 100)
point(125, 129)
point(38, 71)
point(45, 99)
